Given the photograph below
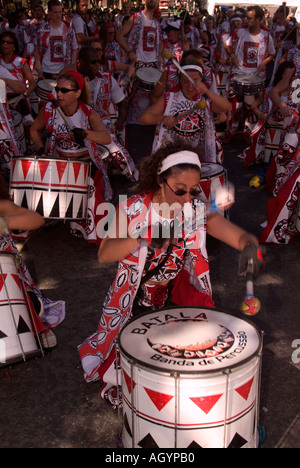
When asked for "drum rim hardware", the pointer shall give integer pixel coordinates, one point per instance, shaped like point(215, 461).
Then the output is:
point(206, 372)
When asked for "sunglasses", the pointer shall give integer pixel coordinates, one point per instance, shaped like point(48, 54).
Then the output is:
point(180, 192)
point(6, 42)
point(64, 90)
point(93, 62)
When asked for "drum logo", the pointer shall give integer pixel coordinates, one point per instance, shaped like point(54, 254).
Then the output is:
point(191, 339)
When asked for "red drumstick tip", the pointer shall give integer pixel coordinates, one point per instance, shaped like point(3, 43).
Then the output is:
point(250, 305)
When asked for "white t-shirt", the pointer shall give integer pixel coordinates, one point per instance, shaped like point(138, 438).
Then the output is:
point(147, 45)
point(251, 50)
point(53, 60)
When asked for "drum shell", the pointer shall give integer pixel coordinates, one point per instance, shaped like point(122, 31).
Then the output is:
point(212, 176)
point(16, 332)
point(55, 188)
point(44, 87)
point(146, 78)
point(182, 409)
point(242, 85)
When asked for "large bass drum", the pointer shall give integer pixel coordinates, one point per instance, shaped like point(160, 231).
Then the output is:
point(17, 332)
point(190, 379)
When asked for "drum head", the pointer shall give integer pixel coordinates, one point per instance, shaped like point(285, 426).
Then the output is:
point(210, 170)
point(189, 340)
point(247, 79)
point(44, 87)
point(148, 75)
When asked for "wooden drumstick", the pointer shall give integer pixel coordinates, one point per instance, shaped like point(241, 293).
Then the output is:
point(168, 55)
point(199, 105)
point(251, 304)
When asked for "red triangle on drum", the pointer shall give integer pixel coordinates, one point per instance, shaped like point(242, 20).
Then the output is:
point(158, 399)
point(43, 166)
point(76, 168)
point(272, 133)
point(206, 403)
point(25, 166)
point(128, 382)
point(244, 390)
point(2, 280)
point(61, 166)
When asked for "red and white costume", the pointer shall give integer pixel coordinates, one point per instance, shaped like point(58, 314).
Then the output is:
point(250, 50)
point(61, 144)
point(196, 129)
point(55, 46)
point(189, 262)
point(106, 91)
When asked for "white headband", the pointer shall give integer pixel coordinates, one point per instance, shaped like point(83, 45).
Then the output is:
point(236, 18)
point(182, 157)
point(193, 68)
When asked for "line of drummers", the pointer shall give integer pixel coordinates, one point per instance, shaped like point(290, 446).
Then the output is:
point(64, 136)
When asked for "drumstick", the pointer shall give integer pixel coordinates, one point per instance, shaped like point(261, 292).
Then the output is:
point(66, 119)
point(168, 55)
point(199, 105)
point(250, 304)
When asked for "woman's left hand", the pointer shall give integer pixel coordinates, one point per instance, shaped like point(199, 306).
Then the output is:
point(79, 135)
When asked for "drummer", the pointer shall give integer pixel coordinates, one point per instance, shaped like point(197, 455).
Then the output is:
point(17, 96)
point(80, 143)
point(141, 39)
point(250, 50)
point(197, 127)
point(106, 91)
point(159, 239)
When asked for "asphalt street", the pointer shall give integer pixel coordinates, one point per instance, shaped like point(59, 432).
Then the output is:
point(45, 401)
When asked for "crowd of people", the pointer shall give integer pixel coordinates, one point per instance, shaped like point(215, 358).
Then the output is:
point(181, 79)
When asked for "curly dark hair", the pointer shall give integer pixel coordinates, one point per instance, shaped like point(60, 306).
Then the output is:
point(149, 166)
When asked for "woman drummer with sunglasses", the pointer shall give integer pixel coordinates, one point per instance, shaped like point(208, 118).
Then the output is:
point(80, 142)
point(159, 239)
